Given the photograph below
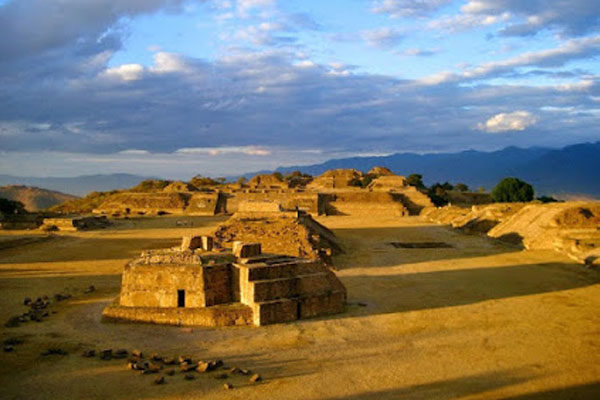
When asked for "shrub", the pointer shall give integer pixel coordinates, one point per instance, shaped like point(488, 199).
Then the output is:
point(11, 207)
point(512, 190)
point(461, 187)
point(416, 180)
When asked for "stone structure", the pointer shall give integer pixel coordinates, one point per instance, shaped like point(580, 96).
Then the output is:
point(74, 224)
point(335, 179)
point(292, 233)
point(215, 287)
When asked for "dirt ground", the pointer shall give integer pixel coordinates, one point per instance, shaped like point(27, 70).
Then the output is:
point(477, 320)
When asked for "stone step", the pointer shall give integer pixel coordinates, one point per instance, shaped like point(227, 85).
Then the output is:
point(281, 288)
point(291, 309)
point(263, 271)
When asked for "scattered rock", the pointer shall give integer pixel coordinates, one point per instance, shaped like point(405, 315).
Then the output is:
point(137, 353)
point(9, 348)
point(13, 322)
point(89, 353)
point(203, 367)
point(27, 301)
point(155, 357)
point(106, 354)
point(221, 376)
point(189, 377)
point(214, 364)
point(170, 372)
point(185, 367)
point(245, 371)
point(234, 370)
point(120, 353)
point(184, 359)
point(228, 386)
point(255, 378)
point(90, 289)
point(13, 341)
point(168, 361)
point(160, 380)
point(54, 350)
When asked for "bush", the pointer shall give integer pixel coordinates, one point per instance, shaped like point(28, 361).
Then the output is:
point(512, 190)
point(461, 187)
point(11, 207)
point(151, 185)
point(200, 181)
point(416, 180)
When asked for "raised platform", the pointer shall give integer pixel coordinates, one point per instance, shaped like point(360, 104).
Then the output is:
point(221, 315)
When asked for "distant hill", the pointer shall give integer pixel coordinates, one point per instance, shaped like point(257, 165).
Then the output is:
point(79, 185)
point(573, 170)
point(34, 198)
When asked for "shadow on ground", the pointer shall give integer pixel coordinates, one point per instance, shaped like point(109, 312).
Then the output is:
point(372, 247)
point(447, 288)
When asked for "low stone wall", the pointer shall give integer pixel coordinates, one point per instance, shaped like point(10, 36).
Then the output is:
point(288, 199)
point(222, 315)
point(74, 224)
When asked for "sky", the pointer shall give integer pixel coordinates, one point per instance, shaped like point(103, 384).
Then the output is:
point(175, 88)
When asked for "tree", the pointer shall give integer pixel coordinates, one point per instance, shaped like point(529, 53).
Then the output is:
point(241, 180)
point(416, 180)
point(278, 175)
point(9, 207)
point(461, 187)
point(512, 190)
point(201, 181)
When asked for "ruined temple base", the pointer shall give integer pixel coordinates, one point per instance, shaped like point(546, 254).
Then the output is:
point(221, 315)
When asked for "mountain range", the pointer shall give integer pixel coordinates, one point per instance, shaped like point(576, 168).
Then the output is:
point(568, 172)
point(78, 185)
point(572, 170)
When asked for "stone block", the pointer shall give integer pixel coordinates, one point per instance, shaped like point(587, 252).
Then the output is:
point(246, 250)
point(191, 243)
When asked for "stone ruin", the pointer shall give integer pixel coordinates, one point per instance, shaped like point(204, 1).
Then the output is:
point(203, 284)
point(74, 224)
point(289, 232)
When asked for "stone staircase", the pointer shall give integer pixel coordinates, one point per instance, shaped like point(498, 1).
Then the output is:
point(282, 289)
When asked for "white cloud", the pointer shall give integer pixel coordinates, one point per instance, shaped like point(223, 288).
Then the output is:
point(134, 152)
point(508, 122)
point(214, 151)
point(125, 72)
point(404, 8)
point(382, 37)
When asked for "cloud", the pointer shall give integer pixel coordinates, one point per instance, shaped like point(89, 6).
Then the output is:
point(406, 8)
point(214, 151)
point(420, 52)
point(526, 18)
point(382, 37)
point(508, 122)
point(125, 72)
point(574, 49)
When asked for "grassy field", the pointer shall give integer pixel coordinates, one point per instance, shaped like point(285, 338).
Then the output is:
point(477, 320)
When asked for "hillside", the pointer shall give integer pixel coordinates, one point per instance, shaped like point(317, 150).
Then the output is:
point(34, 198)
point(571, 170)
point(78, 185)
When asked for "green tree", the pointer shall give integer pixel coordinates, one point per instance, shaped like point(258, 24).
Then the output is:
point(461, 187)
point(512, 190)
point(9, 207)
point(278, 175)
point(416, 180)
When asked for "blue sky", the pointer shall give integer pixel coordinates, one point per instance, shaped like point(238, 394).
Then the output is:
point(175, 88)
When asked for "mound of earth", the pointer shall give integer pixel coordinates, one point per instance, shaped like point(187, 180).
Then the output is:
point(179, 186)
point(34, 198)
point(294, 234)
point(266, 181)
point(335, 179)
point(571, 228)
point(380, 171)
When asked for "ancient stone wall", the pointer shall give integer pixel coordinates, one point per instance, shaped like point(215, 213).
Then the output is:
point(158, 285)
point(206, 204)
point(144, 203)
point(290, 199)
point(359, 202)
